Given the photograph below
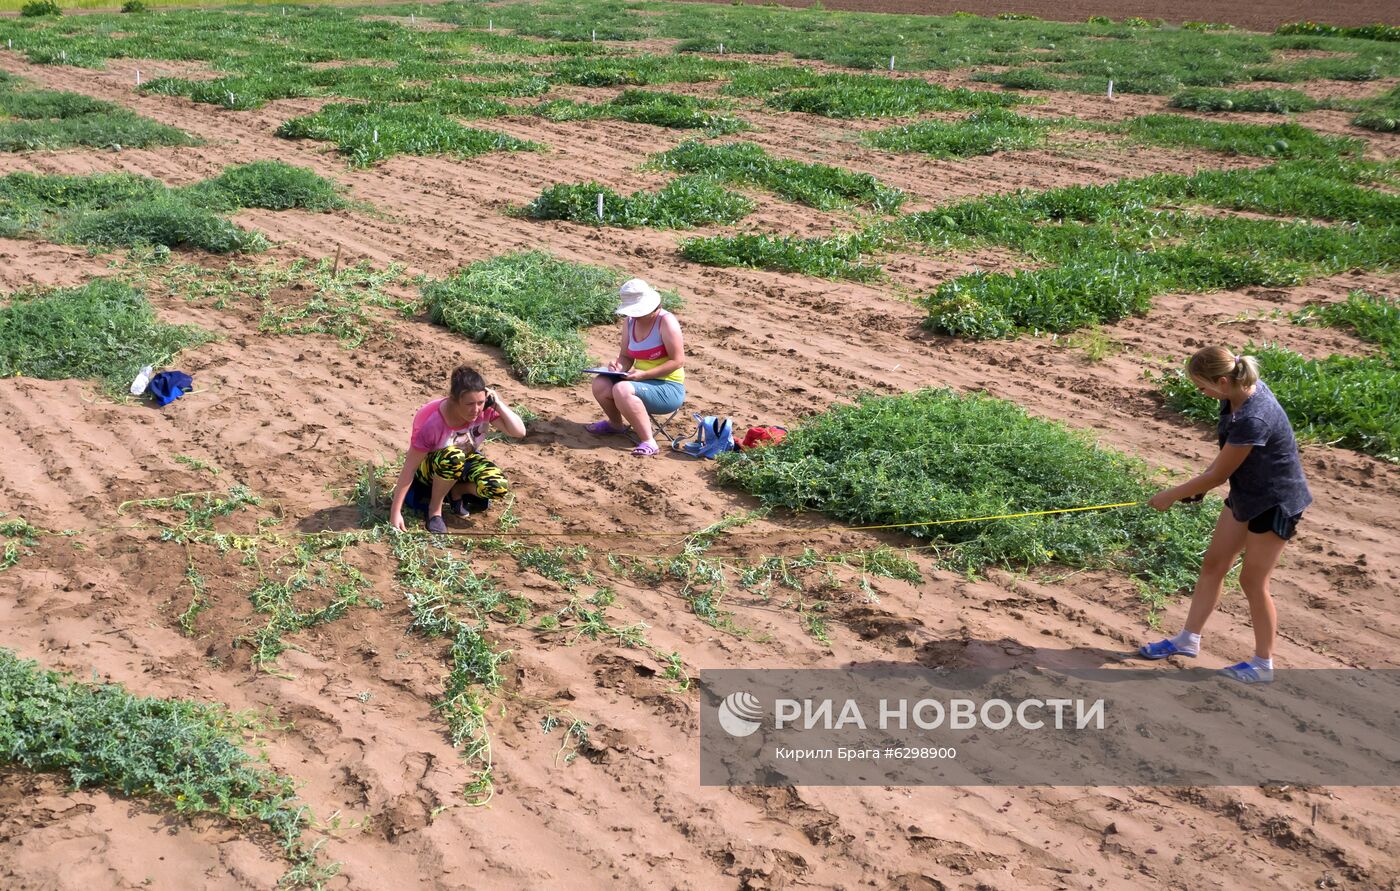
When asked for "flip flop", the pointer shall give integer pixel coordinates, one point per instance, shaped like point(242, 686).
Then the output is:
point(1247, 674)
point(646, 450)
point(603, 428)
point(1163, 649)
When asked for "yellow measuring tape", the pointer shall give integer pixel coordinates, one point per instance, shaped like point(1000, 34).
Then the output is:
point(644, 533)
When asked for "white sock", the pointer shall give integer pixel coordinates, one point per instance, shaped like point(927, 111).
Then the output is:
point(1187, 642)
point(1262, 663)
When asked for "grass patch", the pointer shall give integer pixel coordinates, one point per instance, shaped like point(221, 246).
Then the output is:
point(1267, 141)
point(117, 209)
point(1275, 101)
point(1106, 251)
point(103, 331)
point(1340, 400)
point(1115, 247)
point(857, 95)
point(834, 257)
point(271, 185)
point(1370, 317)
point(532, 306)
point(369, 133)
point(647, 107)
point(934, 455)
point(641, 70)
point(1381, 113)
point(32, 120)
point(389, 59)
point(815, 185)
point(351, 303)
point(982, 133)
point(182, 756)
point(314, 564)
point(450, 601)
point(681, 204)
point(1366, 32)
point(20, 537)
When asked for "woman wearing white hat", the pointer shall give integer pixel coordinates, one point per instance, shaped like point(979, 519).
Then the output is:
point(652, 355)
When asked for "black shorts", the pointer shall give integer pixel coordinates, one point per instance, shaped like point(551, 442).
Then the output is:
point(1274, 520)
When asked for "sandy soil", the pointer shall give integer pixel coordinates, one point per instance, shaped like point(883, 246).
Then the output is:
point(289, 416)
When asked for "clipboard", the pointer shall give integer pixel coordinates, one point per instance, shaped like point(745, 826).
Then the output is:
point(606, 372)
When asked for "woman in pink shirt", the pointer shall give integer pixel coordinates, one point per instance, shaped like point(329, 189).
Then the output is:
point(444, 454)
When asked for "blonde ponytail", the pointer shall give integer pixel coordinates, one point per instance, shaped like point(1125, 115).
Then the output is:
point(1213, 363)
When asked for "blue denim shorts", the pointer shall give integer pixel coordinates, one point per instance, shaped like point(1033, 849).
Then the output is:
point(659, 397)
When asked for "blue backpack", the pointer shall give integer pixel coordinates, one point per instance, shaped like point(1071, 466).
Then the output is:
point(712, 436)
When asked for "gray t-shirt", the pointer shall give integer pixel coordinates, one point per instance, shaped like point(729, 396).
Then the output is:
point(1271, 476)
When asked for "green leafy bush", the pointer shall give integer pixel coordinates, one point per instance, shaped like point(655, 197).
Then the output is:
point(857, 95)
point(130, 6)
point(1366, 32)
point(683, 203)
point(641, 70)
point(835, 257)
point(182, 755)
point(369, 133)
point(37, 8)
point(647, 107)
point(104, 331)
point(532, 305)
point(1274, 140)
point(170, 220)
point(982, 133)
point(1278, 101)
point(816, 185)
point(1381, 121)
point(1370, 317)
point(1022, 79)
point(1341, 400)
point(121, 209)
point(273, 185)
point(47, 119)
point(935, 455)
point(1380, 113)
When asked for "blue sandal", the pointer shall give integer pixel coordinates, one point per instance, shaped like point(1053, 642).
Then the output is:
point(1163, 649)
point(1248, 674)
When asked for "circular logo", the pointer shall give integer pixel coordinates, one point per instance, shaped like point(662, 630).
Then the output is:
point(740, 714)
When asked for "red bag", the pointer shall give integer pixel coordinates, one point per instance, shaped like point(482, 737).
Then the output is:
point(761, 436)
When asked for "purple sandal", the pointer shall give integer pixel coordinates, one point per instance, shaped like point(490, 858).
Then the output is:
point(603, 428)
point(645, 450)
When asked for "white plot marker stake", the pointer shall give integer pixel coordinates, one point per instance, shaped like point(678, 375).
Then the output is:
point(375, 138)
point(1110, 91)
point(138, 77)
point(721, 49)
point(600, 207)
point(595, 35)
point(412, 18)
point(891, 63)
point(490, 24)
point(230, 100)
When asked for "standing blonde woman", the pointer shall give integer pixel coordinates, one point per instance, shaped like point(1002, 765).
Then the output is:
point(1268, 495)
point(652, 355)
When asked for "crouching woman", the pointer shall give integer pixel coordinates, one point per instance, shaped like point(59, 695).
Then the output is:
point(444, 461)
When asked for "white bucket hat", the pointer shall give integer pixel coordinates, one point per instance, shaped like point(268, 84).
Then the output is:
point(636, 298)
